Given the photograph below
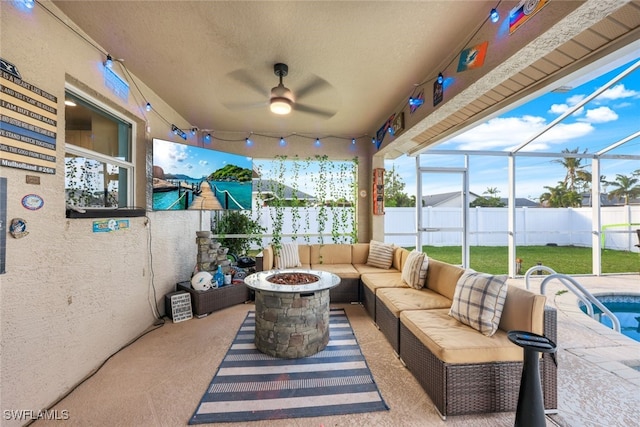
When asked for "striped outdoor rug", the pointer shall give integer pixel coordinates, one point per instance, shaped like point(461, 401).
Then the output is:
point(250, 385)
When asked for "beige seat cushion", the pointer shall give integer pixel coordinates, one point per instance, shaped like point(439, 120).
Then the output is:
point(400, 299)
point(367, 269)
point(375, 281)
point(454, 342)
point(345, 271)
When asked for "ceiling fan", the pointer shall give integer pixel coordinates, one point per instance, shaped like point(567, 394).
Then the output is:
point(282, 99)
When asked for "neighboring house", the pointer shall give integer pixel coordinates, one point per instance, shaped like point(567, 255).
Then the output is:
point(606, 201)
point(452, 199)
point(521, 202)
point(268, 189)
point(448, 200)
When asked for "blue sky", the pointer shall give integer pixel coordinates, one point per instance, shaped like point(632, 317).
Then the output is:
point(195, 162)
point(605, 120)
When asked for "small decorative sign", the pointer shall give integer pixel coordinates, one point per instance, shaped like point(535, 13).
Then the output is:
point(109, 225)
point(438, 93)
point(181, 307)
point(523, 12)
point(18, 228)
point(398, 124)
point(472, 57)
point(8, 67)
point(32, 179)
point(33, 202)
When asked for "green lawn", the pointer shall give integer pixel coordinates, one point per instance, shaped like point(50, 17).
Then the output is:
point(562, 259)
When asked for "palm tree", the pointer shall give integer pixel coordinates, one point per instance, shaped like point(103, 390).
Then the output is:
point(627, 187)
point(561, 197)
point(573, 166)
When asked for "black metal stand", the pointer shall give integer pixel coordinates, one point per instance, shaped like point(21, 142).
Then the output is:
point(530, 411)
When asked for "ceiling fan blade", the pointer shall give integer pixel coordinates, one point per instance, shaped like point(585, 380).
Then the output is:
point(313, 110)
point(243, 76)
point(315, 85)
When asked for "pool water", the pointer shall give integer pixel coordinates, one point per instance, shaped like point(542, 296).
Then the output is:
point(625, 307)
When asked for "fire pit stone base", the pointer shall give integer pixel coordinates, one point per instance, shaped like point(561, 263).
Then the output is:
point(292, 325)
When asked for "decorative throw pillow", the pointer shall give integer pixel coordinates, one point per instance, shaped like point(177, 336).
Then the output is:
point(478, 301)
point(423, 271)
point(411, 269)
point(288, 256)
point(380, 254)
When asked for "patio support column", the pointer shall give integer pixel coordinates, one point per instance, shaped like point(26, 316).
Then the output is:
point(511, 215)
point(596, 219)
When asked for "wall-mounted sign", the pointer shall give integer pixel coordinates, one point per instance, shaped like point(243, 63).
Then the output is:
point(472, 57)
point(18, 228)
point(8, 67)
point(33, 202)
point(438, 93)
point(398, 124)
point(116, 84)
point(109, 225)
point(29, 123)
point(523, 12)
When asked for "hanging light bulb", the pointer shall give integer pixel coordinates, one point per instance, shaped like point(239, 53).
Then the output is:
point(373, 140)
point(317, 142)
point(391, 131)
point(415, 102)
point(148, 107)
point(207, 137)
point(494, 15)
point(353, 141)
point(194, 130)
point(109, 62)
point(282, 141)
point(440, 78)
point(249, 142)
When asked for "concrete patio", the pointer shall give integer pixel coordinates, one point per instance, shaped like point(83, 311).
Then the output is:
point(159, 379)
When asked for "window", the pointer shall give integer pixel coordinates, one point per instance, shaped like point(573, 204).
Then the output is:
point(99, 169)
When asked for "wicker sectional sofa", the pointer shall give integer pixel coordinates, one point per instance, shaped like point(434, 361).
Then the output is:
point(462, 370)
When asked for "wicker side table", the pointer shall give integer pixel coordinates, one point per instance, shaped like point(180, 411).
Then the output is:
point(205, 302)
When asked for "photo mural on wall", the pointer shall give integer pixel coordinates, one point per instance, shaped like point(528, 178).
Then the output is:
point(190, 177)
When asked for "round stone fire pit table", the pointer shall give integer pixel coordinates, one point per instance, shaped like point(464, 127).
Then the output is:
point(292, 311)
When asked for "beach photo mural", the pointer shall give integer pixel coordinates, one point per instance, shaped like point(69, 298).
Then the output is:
point(188, 177)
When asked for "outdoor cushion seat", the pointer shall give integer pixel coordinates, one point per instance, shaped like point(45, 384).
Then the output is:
point(345, 271)
point(454, 342)
point(367, 269)
point(400, 299)
point(374, 281)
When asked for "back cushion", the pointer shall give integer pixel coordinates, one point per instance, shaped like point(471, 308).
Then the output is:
point(359, 253)
point(523, 311)
point(442, 277)
point(331, 254)
point(380, 254)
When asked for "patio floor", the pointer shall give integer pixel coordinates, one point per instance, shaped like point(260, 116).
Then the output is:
point(159, 379)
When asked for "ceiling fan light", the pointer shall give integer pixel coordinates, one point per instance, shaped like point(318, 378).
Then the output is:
point(280, 105)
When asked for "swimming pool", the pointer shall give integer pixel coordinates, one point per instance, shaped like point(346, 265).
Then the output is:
point(625, 307)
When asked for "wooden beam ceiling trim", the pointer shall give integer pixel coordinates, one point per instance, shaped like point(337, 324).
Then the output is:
point(544, 65)
point(574, 50)
point(590, 39)
point(628, 16)
point(533, 73)
point(609, 28)
point(503, 90)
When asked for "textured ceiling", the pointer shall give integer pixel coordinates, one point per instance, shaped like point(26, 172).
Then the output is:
point(354, 62)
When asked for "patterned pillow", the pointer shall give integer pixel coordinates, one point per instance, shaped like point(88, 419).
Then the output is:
point(380, 254)
point(288, 256)
point(412, 268)
point(478, 301)
point(423, 271)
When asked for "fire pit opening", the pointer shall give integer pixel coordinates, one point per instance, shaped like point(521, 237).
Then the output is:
point(293, 278)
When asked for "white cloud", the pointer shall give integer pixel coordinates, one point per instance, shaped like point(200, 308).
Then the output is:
point(203, 162)
point(508, 133)
point(600, 115)
point(618, 92)
point(563, 108)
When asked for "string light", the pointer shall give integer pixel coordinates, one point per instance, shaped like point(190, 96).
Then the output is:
point(353, 141)
point(207, 138)
point(415, 102)
point(148, 107)
point(391, 131)
point(109, 62)
point(440, 78)
point(248, 142)
point(317, 142)
point(194, 130)
point(282, 141)
point(494, 15)
point(373, 140)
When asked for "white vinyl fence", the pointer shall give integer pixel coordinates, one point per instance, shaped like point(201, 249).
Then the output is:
point(533, 226)
point(487, 226)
